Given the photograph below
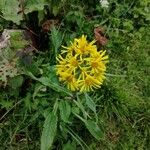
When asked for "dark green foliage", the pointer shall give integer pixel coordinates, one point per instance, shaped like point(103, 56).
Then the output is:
point(38, 111)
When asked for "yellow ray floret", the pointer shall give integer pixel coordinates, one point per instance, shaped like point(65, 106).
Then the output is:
point(80, 66)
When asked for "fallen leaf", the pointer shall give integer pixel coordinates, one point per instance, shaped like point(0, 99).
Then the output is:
point(47, 25)
point(99, 36)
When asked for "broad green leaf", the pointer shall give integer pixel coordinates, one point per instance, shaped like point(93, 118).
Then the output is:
point(94, 129)
point(10, 10)
point(65, 110)
point(90, 103)
point(34, 5)
point(49, 131)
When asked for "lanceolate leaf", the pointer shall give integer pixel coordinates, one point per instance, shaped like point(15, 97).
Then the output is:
point(90, 103)
point(92, 126)
point(47, 82)
point(49, 131)
point(56, 38)
point(65, 110)
point(94, 129)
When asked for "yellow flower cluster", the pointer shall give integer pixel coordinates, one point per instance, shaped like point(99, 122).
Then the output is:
point(80, 66)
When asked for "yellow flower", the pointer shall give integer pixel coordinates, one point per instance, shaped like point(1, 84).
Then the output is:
point(88, 83)
point(80, 66)
point(70, 80)
point(98, 62)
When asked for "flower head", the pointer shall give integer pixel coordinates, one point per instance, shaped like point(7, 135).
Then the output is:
point(104, 3)
point(80, 66)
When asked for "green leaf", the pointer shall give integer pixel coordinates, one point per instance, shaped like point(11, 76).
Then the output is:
point(56, 38)
point(49, 131)
point(6, 104)
point(75, 110)
point(34, 5)
point(38, 87)
point(90, 103)
point(16, 82)
point(79, 140)
point(41, 16)
point(27, 102)
point(94, 129)
point(81, 106)
point(47, 82)
point(10, 10)
point(56, 10)
point(65, 110)
point(69, 146)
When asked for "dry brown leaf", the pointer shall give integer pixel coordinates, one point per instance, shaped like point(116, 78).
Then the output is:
point(99, 36)
point(47, 25)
